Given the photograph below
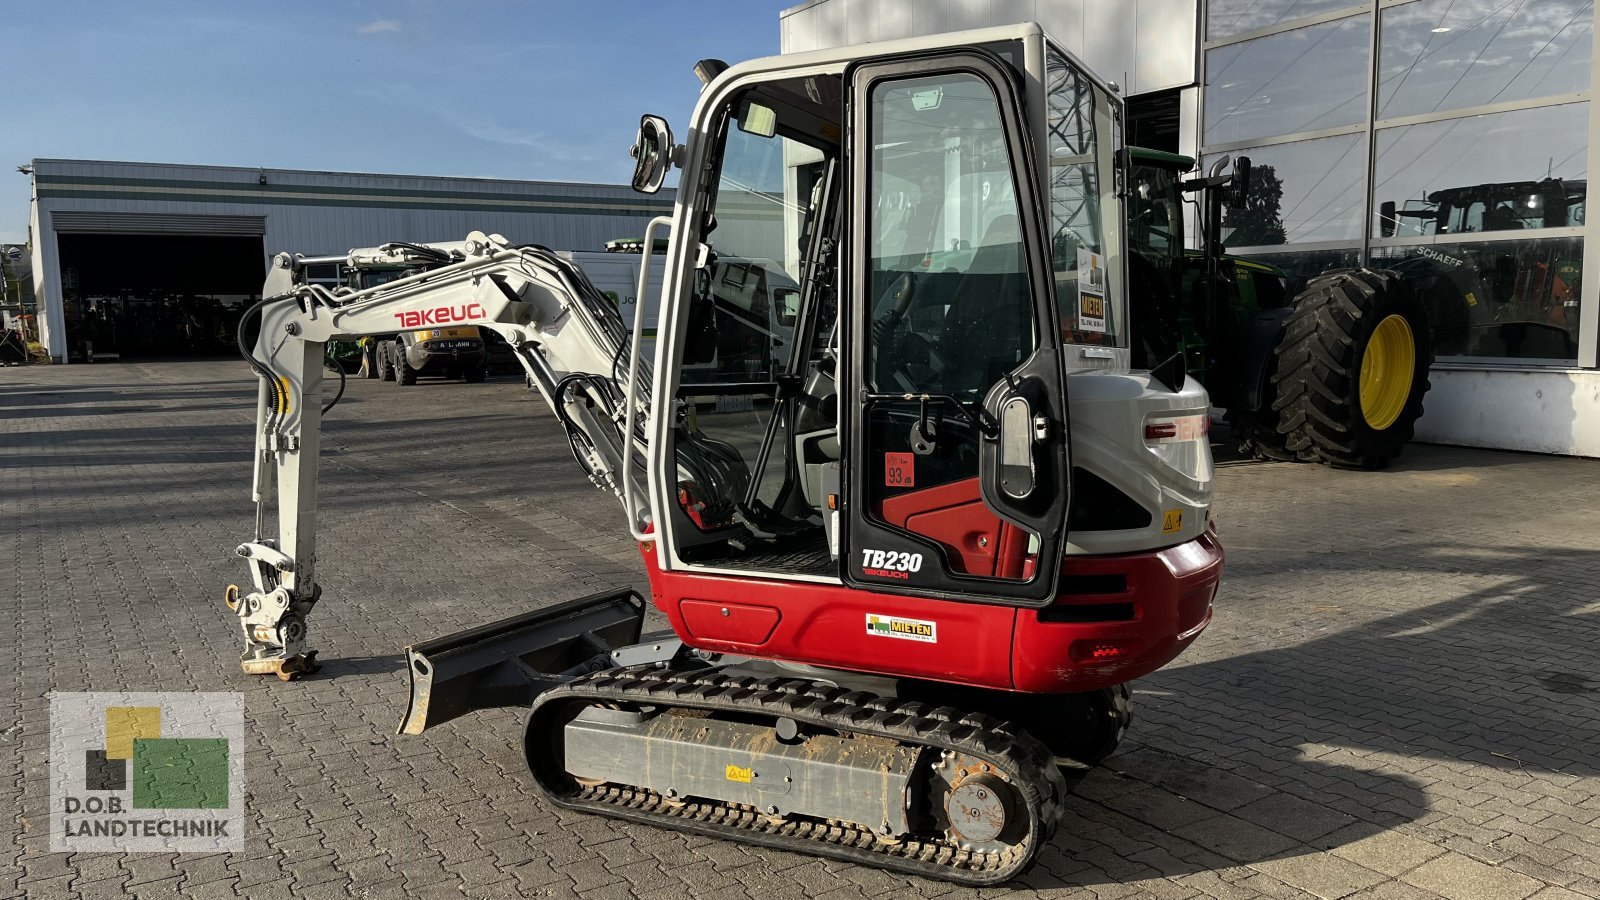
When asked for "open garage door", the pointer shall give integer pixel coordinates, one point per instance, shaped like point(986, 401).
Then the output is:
point(149, 285)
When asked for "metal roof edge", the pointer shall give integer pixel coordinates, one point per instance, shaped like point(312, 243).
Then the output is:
point(254, 170)
point(799, 7)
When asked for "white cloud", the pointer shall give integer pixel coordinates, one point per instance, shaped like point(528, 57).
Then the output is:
point(380, 26)
point(558, 151)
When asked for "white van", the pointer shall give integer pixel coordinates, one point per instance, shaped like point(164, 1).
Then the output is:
point(756, 303)
point(617, 277)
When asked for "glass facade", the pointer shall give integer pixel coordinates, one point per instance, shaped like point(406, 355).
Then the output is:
point(1448, 54)
point(1445, 139)
point(1295, 81)
point(1301, 193)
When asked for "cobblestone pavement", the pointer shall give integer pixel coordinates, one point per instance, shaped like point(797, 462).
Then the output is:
point(1400, 696)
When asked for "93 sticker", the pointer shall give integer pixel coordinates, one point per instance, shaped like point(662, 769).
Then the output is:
point(890, 564)
point(900, 469)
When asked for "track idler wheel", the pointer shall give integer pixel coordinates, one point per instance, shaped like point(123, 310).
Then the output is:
point(979, 809)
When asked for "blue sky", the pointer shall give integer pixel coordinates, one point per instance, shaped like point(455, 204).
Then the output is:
point(539, 90)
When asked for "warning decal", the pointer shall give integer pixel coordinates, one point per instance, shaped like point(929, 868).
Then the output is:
point(900, 469)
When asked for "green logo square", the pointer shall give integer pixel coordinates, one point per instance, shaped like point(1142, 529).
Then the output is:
point(180, 773)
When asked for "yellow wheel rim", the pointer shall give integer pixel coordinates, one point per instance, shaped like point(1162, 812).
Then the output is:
point(1386, 372)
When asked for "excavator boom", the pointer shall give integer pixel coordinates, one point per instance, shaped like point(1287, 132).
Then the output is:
point(570, 340)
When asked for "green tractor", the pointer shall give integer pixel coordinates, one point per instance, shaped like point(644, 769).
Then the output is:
point(1334, 375)
point(1491, 297)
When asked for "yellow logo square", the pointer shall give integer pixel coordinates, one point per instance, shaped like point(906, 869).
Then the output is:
point(125, 724)
point(1172, 521)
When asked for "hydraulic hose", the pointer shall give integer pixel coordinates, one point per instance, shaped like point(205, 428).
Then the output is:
point(260, 368)
point(337, 367)
point(442, 256)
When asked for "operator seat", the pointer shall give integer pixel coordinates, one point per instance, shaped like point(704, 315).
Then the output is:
point(1502, 218)
point(990, 312)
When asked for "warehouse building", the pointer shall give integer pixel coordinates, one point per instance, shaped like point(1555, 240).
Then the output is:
point(1448, 139)
point(138, 259)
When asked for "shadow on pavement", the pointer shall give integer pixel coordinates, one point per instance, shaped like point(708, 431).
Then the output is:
point(1265, 756)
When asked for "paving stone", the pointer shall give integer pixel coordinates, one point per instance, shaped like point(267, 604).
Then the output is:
point(1235, 838)
point(1560, 893)
point(1290, 815)
point(1389, 852)
point(1321, 874)
point(1454, 875)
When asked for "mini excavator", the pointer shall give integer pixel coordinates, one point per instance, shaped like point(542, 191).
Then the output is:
point(911, 572)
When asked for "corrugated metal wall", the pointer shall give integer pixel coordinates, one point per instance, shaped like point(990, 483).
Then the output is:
point(318, 212)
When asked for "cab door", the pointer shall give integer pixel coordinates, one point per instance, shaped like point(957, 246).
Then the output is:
point(956, 445)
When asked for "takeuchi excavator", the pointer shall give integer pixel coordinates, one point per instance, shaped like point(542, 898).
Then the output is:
point(909, 573)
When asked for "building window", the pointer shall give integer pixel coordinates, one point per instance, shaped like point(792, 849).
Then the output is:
point(1299, 193)
point(1468, 124)
point(1231, 17)
point(1307, 79)
point(1514, 171)
point(1497, 299)
point(1453, 54)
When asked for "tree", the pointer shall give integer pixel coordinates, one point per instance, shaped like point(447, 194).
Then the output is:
point(1260, 222)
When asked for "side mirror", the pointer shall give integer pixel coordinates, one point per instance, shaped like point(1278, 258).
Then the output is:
point(652, 154)
point(1388, 223)
point(1240, 190)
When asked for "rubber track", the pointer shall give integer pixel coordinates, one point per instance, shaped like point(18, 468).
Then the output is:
point(1033, 772)
point(1317, 374)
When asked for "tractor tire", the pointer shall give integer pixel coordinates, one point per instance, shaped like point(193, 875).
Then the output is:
point(1255, 431)
point(1256, 434)
point(404, 373)
point(474, 375)
point(385, 365)
point(1353, 368)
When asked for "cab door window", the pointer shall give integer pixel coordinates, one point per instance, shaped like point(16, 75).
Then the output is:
point(948, 319)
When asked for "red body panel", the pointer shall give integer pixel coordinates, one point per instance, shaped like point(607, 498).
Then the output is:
point(976, 541)
point(1160, 604)
point(1170, 592)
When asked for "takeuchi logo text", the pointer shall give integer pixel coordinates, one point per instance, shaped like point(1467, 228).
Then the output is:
point(441, 315)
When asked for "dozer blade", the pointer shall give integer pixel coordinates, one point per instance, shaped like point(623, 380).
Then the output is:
point(512, 661)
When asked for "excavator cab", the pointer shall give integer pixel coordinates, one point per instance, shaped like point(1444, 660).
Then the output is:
point(913, 438)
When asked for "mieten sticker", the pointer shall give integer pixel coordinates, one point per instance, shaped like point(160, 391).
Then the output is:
point(904, 629)
point(1091, 291)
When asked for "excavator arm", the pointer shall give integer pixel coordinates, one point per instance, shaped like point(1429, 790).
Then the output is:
point(571, 341)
